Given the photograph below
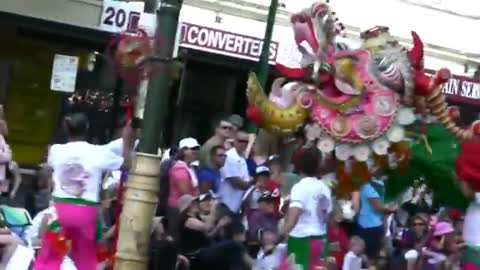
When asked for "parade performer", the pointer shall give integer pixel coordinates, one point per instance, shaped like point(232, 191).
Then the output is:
point(77, 174)
point(307, 216)
point(468, 172)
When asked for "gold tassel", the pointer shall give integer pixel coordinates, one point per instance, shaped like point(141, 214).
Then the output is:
point(427, 144)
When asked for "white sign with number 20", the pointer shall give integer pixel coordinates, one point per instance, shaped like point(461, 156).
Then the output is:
point(120, 16)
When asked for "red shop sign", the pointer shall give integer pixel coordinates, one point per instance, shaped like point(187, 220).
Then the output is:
point(462, 89)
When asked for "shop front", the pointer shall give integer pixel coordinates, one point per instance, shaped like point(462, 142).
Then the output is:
point(28, 48)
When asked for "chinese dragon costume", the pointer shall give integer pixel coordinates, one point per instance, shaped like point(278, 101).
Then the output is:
point(365, 104)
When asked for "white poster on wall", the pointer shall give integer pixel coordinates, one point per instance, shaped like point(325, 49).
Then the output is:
point(64, 73)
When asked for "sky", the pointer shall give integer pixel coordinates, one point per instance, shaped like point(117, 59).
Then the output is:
point(402, 16)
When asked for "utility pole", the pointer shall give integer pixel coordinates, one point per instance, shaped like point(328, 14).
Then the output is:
point(263, 65)
point(142, 187)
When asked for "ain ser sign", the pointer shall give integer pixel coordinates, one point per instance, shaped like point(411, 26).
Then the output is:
point(463, 89)
point(225, 43)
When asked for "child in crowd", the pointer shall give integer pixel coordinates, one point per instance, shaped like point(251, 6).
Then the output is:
point(271, 254)
point(205, 204)
point(251, 196)
point(337, 236)
point(276, 181)
point(435, 255)
point(355, 258)
point(261, 219)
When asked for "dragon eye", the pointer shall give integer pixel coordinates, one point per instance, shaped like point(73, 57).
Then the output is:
point(383, 64)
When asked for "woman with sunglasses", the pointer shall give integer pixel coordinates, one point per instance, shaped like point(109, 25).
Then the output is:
point(182, 180)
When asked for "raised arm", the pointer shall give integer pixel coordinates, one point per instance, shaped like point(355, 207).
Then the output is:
point(6, 151)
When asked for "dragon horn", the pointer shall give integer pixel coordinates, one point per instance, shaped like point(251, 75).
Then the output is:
point(416, 53)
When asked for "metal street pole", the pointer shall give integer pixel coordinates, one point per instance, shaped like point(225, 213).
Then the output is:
point(263, 65)
point(142, 187)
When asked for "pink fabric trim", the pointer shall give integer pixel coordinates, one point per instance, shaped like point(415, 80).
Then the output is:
point(78, 222)
point(295, 73)
point(316, 250)
point(470, 266)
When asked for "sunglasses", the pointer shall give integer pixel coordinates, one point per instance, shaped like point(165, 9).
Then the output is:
point(242, 141)
point(196, 148)
point(226, 127)
point(222, 155)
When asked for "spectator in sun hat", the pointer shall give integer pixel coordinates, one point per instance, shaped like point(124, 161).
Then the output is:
point(435, 255)
point(182, 179)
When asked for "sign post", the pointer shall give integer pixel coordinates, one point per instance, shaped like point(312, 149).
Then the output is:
point(142, 187)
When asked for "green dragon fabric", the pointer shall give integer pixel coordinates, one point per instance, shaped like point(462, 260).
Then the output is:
point(472, 254)
point(438, 169)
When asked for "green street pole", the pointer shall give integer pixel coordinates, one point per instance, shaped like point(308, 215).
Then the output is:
point(140, 198)
point(158, 93)
point(263, 65)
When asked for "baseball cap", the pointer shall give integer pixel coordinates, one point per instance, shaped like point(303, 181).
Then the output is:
point(188, 143)
point(266, 197)
point(262, 170)
point(236, 120)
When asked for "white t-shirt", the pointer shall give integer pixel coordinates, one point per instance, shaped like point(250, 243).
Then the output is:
point(78, 167)
point(352, 262)
point(116, 147)
point(471, 233)
point(315, 199)
point(235, 166)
